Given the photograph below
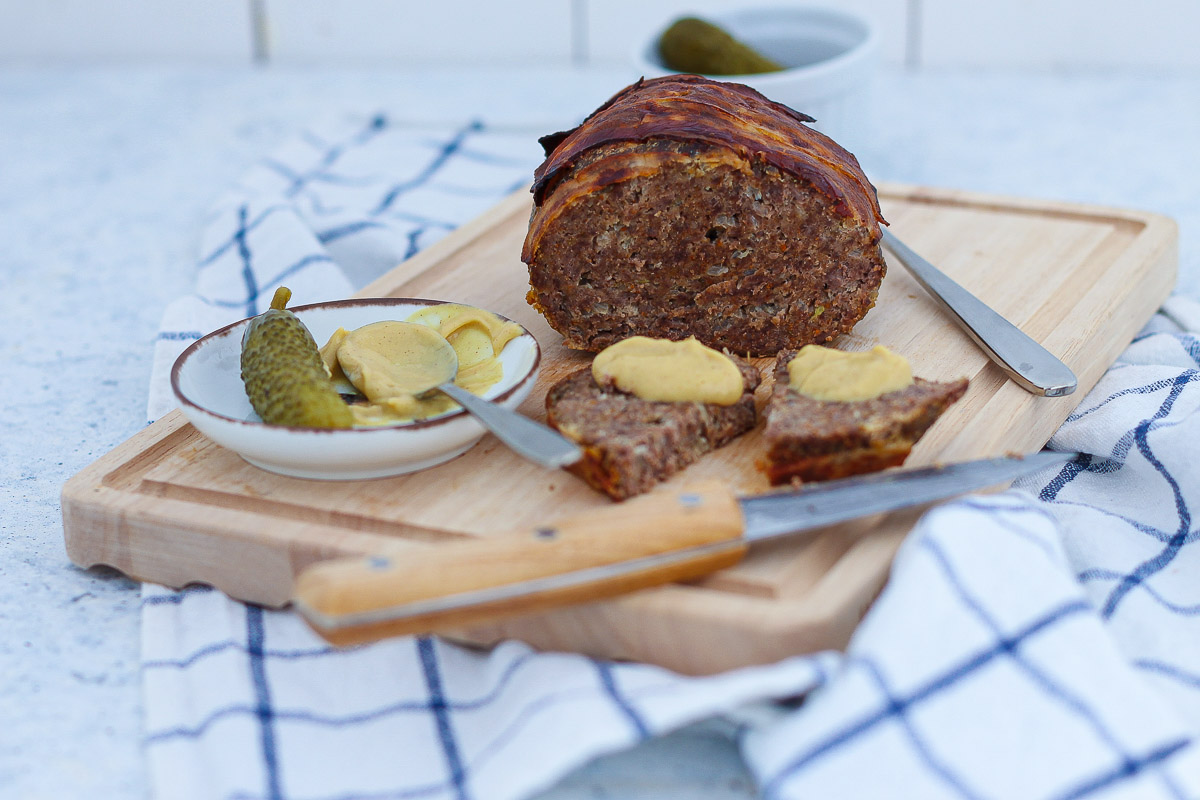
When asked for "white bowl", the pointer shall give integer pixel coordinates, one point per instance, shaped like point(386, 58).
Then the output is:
point(207, 381)
point(830, 55)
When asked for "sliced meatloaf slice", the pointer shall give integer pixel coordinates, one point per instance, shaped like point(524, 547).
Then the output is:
point(816, 440)
point(630, 444)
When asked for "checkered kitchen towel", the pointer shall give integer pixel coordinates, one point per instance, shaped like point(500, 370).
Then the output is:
point(1040, 643)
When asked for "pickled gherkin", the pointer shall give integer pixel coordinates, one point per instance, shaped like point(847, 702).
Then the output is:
point(694, 45)
point(284, 375)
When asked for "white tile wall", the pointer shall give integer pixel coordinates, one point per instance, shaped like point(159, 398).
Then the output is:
point(1020, 33)
point(122, 30)
point(1060, 33)
point(406, 32)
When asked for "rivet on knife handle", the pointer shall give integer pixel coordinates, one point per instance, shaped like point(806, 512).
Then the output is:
point(355, 600)
point(1029, 364)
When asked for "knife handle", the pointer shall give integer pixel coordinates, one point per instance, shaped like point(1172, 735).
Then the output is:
point(353, 600)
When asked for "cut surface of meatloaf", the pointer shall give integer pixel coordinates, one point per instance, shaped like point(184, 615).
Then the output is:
point(815, 440)
point(692, 207)
point(630, 444)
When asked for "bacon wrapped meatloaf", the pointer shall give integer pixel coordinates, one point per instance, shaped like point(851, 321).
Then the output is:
point(691, 207)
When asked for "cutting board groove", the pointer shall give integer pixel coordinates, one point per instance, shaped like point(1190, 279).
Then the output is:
point(170, 506)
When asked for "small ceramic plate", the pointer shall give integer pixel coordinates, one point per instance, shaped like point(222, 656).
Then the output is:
point(207, 381)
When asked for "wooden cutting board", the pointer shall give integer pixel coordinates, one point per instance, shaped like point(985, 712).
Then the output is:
point(171, 507)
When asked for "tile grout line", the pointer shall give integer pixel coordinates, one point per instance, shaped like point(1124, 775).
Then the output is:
point(912, 34)
point(579, 33)
point(260, 42)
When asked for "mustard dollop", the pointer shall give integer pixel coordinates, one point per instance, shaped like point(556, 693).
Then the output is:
point(392, 362)
point(823, 373)
point(389, 359)
point(667, 371)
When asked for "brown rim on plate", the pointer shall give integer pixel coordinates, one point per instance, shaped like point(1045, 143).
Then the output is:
point(191, 349)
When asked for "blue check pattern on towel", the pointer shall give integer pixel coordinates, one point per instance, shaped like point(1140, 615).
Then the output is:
point(1040, 643)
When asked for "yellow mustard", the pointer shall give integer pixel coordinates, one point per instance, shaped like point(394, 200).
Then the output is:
point(329, 358)
point(390, 359)
point(823, 373)
point(666, 371)
point(392, 362)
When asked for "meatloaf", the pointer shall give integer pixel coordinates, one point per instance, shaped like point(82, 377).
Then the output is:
point(630, 444)
point(686, 206)
point(814, 440)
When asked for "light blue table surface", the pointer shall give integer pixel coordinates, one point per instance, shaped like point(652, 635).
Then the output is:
point(106, 176)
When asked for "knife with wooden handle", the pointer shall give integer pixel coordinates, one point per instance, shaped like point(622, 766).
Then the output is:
point(658, 538)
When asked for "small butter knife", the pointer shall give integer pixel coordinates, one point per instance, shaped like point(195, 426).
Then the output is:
point(658, 538)
point(1029, 364)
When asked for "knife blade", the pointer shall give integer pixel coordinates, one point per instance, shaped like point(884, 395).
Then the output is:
point(661, 537)
point(1034, 368)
